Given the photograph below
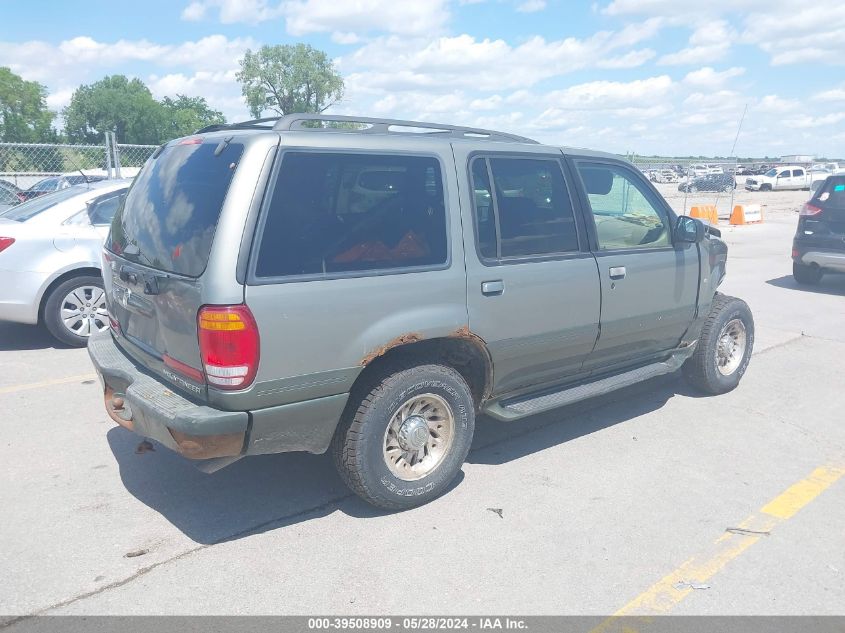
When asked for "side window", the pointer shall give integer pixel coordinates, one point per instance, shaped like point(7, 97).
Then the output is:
point(784, 174)
point(798, 172)
point(103, 211)
point(336, 213)
point(624, 214)
point(527, 212)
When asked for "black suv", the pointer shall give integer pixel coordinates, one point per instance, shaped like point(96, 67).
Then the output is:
point(819, 244)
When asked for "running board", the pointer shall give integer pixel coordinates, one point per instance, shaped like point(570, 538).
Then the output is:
point(515, 408)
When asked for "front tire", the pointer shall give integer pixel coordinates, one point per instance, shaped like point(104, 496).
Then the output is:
point(404, 437)
point(724, 347)
point(76, 309)
point(806, 275)
point(765, 187)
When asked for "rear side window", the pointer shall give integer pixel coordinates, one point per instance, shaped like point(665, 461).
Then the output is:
point(338, 213)
point(35, 206)
point(526, 213)
point(170, 214)
point(103, 210)
point(831, 194)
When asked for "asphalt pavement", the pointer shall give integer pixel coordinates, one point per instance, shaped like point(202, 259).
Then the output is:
point(651, 500)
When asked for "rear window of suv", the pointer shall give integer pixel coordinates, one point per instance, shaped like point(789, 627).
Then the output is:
point(170, 214)
point(334, 213)
point(832, 192)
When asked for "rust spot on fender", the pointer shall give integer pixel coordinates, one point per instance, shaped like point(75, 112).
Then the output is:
point(404, 339)
point(465, 333)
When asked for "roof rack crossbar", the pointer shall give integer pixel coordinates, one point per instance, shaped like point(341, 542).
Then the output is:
point(299, 121)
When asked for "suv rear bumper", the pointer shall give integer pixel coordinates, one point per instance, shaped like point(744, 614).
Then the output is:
point(150, 408)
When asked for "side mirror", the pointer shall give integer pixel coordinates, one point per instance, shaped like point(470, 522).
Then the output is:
point(689, 230)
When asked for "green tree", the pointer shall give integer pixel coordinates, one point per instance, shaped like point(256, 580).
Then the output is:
point(24, 117)
point(185, 115)
point(289, 79)
point(116, 103)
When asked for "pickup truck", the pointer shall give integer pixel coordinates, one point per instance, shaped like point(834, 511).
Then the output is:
point(780, 179)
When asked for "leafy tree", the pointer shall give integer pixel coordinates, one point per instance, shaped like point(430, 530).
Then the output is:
point(185, 115)
point(289, 79)
point(24, 117)
point(116, 103)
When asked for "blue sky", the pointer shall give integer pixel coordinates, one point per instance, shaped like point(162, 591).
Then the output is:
point(646, 76)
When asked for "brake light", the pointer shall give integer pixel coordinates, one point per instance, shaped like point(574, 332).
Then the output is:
point(810, 209)
point(195, 140)
point(6, 242)
point(229, 345)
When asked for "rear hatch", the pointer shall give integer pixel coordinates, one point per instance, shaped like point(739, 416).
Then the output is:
point(823, 217)
point(157, 251)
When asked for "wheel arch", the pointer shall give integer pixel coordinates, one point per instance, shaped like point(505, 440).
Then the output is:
point(60, 279)
point(462, 350)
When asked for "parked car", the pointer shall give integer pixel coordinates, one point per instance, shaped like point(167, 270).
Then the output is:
point(780, 179)
point(8, 196)
point(50, 253)
point(819, 244)
point(55, 183)
point(710, 182)
point(255, 309)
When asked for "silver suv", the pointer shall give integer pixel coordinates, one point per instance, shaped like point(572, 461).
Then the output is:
point(369, 286)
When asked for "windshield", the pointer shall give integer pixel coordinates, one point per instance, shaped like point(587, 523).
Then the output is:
point(31, 208)
point(170, 214)
point(772, 173)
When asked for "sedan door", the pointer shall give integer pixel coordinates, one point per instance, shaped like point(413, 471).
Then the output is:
point(532, 284)
point(649, 287)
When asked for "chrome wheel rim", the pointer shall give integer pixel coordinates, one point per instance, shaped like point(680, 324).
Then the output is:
point(730, 348)
point(83, 311)
point(418, 437)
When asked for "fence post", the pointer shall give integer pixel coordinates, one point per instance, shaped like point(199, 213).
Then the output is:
point(108, 155)
point(116, 151)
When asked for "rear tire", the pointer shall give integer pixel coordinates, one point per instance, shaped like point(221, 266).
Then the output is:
point(404, 435)
point(724, 347)
point(75, 309)
point(806, 275)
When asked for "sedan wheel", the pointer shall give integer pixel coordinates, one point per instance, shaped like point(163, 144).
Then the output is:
point(76, 309)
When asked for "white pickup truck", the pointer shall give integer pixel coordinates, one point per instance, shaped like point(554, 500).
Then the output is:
point(780, 178)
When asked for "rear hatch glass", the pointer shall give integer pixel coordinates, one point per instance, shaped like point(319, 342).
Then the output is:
point(830, 198)
point(159, 245)
point(171, 211)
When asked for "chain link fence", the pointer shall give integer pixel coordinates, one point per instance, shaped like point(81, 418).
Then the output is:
point(690, 182)
point(26, 164)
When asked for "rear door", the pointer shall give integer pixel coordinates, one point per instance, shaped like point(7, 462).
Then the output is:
point(532, 285)
point(649, 287)
point(157, 252)
point(799, 179)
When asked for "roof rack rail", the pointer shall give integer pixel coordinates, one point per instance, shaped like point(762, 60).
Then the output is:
point(298, 121)
point(242, 125)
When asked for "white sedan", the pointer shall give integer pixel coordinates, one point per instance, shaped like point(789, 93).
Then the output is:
point(50, 254)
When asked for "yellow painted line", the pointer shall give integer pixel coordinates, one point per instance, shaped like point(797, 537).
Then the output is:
point(788, 503)
point(662, 596)
point(47, 383)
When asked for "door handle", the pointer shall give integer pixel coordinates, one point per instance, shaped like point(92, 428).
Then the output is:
point(492, 288)
point(617, 272)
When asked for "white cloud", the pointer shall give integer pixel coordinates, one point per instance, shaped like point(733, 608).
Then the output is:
point(708, 43)
point(707, 77)
point(194, 12)
point(834, 94)
point(776, 104)
point(531, 6)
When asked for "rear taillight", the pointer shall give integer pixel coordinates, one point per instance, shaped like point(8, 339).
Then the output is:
point(229, 345)
point(6, 242)
point(810, 209)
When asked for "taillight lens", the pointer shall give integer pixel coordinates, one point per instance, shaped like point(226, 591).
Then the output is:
point(6, 242)
point(810, 209)
point(229, 345)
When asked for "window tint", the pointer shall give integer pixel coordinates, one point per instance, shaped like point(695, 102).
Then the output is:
point(170, 214)
point(335, 213)
point(624, 214)
point(784, 174)
point(102, 212)
point(48, 184)
point(798, 172)
point(529, 211)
